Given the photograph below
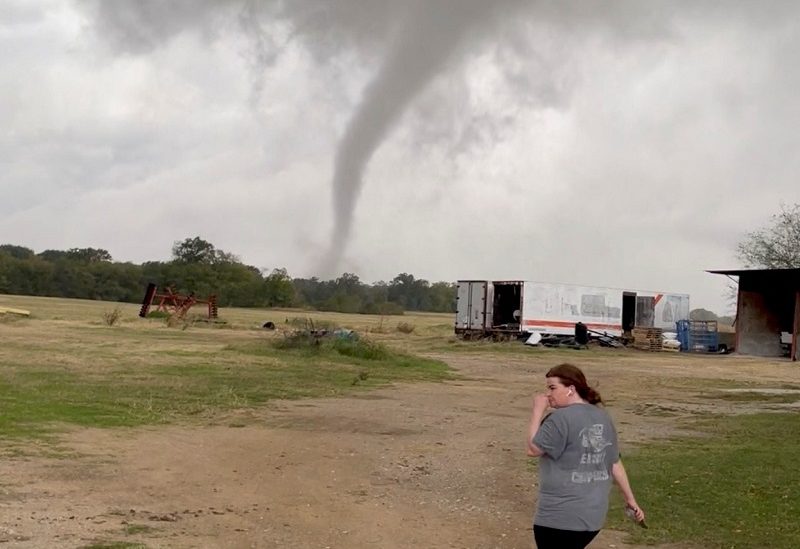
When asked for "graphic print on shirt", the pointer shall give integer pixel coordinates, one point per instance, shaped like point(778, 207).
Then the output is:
point(592, 464)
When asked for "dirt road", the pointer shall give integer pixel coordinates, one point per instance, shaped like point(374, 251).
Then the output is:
point(424, 465)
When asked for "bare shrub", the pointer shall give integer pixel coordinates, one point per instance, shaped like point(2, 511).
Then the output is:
point(362, 376)
point(299, 339)
point(309, 324)
point(174, 320)
point(379, 329)
point(112, 317)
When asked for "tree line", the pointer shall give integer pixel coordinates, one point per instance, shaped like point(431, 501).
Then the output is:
point(198, 266)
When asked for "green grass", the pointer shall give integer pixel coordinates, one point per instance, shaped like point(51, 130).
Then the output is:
point(736, 486)
point(134, 529)
point(754, 396)
point(114, 545)
point(57, 372)
point(36, 401)
point(342, 359)
point(733, 485)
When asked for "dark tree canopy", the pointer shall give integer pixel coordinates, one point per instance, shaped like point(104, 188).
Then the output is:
point(53, 255)
point(199, 267)
point(194, 250)
point(89, 255)
point(85, 255)
point(197, 250)
point(17, 252)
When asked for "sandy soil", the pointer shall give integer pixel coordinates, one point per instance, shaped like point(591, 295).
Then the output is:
point(424, 465)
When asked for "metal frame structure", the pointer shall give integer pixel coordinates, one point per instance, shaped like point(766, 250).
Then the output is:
point(173, 303)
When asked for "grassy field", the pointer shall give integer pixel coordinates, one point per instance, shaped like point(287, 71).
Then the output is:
point(730, 483)
point(734, 487)
point(66, 366)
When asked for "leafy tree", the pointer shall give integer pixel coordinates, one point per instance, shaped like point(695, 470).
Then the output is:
point(88, 255)
point(775, 246)
point(33, 277)
point(312, 291)
point(200, 268)
point(227, 257)
point(7, 265)
point(17, 252)
point(71, 279)
point(379, 292)
point(52, 255)
point(343, 303)
point(376, 300)
point(194, 250)
point(235, 284)
point(278, 289)
point(412, 294)
point(349, 283)
point(443, 297)
point(702, 314)
point(116, 281)
point(347, 295)
point(197, 250)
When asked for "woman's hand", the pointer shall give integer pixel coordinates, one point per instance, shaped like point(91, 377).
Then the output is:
point(634, 508)
point(621, 478)
point(540, 404)
point(538, 407)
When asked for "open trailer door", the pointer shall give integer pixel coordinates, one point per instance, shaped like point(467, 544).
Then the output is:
point(506, 310)
point(471, 301)
point(645, 311)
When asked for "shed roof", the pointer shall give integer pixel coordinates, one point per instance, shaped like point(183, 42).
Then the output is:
point(739, 272)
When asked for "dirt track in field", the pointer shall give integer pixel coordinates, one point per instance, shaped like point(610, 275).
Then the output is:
point(423, 465)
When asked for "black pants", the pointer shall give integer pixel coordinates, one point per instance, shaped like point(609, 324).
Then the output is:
point(553, 538)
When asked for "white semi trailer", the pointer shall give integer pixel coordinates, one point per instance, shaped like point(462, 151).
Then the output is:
point(521, 306)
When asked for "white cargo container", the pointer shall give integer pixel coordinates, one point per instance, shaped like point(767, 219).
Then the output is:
point(519, 306)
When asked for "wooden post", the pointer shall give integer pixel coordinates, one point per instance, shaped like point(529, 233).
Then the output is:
point(738, 318)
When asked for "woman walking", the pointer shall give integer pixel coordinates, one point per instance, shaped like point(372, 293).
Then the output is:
point(578, 458)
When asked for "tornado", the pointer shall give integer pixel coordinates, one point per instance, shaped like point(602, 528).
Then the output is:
point(427, 40)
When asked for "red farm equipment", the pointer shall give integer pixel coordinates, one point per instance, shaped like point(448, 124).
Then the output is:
point(174, 303)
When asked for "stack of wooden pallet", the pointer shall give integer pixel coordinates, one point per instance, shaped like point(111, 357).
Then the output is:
point(648, 339)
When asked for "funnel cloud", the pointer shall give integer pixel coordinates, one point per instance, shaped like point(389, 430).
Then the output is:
point(541, 140)
point(430, 36)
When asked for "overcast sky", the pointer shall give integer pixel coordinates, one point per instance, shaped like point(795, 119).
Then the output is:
point(627, 144)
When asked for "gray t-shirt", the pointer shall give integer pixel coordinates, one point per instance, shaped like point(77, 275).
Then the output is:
point(580, 445)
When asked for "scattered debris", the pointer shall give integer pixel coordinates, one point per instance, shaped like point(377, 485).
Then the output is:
point(534, 339)
point(607, 340)
point(347, 335)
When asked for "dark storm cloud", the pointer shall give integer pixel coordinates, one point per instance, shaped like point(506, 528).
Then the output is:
point(141, 26)
point(451, 122)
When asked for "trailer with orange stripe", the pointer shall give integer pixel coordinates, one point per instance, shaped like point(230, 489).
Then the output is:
point(521, 306)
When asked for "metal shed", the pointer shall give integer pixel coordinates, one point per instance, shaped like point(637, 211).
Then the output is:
point(767, 307)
